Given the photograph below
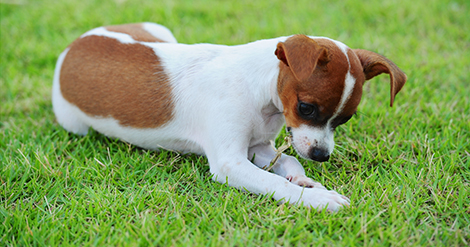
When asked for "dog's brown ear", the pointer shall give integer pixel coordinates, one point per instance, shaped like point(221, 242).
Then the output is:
point(301, 54)
point(374, 64)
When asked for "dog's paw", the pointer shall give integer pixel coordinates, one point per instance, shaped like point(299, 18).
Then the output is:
point(321, 199)
point(304, 181)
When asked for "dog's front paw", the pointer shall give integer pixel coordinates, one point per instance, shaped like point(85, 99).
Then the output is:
point(321, 198)
point(304, 181)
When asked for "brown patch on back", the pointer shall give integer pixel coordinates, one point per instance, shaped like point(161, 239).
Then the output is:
point(136, 31)
point(106, 78)
point(323, 87)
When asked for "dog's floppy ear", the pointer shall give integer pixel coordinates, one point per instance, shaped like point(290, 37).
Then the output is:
point(374, 64)
point(301, 54)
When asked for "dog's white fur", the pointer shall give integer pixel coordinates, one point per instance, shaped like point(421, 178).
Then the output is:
point(228, 115)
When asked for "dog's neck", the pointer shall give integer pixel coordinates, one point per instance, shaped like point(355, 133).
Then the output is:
point(259, 68)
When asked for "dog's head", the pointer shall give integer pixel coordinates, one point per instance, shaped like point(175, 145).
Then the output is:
point(320, 86)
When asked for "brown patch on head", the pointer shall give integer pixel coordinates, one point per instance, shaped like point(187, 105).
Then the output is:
point(136, 31)
point(324, 85)
point(355, 98)
point(106, 78)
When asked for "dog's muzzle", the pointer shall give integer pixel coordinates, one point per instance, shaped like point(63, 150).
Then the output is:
point(318, 154)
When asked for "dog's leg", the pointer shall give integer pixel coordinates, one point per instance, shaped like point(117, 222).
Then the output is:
point(239, 172)
point(159, 32)
point(287, 166)
point(226, 147)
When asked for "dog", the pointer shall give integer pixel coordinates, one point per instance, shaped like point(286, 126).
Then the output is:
point(136, 83)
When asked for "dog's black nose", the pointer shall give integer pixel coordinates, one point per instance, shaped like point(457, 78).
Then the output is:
point(319, 154)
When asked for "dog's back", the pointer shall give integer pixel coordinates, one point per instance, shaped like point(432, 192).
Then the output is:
point(85, 78)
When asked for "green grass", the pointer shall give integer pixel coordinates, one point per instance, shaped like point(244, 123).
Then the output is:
point(406, 169)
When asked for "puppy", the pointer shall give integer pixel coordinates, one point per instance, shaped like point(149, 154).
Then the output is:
point(136, 83)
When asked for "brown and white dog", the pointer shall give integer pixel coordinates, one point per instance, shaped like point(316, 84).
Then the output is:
point(136, 83)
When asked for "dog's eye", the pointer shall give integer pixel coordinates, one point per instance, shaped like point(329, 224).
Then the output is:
point(306, 109)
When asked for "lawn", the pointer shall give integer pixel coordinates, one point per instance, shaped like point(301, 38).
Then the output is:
point(406, 169)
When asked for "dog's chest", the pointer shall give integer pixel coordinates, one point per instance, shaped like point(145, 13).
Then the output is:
point(267, 125)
